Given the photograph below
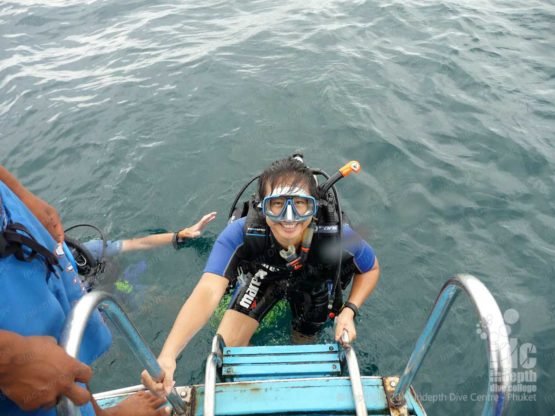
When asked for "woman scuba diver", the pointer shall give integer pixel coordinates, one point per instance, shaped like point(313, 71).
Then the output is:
point(287, 242)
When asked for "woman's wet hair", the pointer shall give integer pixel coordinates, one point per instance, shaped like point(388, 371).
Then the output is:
point(288, 171)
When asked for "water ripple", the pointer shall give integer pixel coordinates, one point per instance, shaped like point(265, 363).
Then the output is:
point(140, 112)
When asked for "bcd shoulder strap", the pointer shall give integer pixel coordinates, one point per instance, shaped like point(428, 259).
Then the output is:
point(16, 240)
point(257, 232)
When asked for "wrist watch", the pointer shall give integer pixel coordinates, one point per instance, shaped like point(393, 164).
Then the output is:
point(352, 307)
point(176, 240)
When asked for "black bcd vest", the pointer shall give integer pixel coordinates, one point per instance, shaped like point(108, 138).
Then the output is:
point(261, 251)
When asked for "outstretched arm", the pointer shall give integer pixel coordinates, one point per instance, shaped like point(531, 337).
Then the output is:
point(156, 240)
point(363, 286)
point(194, 314)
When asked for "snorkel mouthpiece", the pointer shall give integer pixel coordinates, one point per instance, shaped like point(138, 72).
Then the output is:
point(351, 167)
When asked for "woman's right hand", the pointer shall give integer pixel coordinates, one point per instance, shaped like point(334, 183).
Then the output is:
point(162, 387)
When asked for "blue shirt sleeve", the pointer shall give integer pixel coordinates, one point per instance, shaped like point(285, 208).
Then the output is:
point(113, 248)
point(33, 302)
point(223, 256)
point(363, 254)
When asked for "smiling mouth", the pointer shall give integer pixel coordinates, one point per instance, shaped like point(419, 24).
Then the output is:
point(288, 225)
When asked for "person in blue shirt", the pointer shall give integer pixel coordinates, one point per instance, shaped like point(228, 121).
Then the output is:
point(91, 255)
point(278, 253)
point(115, 247)
point(38, 286)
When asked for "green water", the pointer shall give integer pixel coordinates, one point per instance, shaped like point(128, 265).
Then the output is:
point(143, 115)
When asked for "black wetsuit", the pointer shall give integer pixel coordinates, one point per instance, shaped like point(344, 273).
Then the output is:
point(261, 279)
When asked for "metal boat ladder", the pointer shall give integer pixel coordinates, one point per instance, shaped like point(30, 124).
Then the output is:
point(285, 362)
point(72, 336)
point(397, 394)
point(492, 323)
point(395, 389)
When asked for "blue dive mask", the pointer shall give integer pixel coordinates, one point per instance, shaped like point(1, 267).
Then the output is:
point(291, 208)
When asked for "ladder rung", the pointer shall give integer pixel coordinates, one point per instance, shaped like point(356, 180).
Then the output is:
point(280, 359)
point(280, 349)
point(281, 369)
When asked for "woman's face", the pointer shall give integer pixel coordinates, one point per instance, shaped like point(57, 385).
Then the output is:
point(288, 232)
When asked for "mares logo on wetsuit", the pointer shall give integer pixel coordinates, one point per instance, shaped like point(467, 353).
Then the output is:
point(253, 288)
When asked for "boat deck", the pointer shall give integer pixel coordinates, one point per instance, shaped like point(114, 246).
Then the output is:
point(314, 396)
point(288, 379)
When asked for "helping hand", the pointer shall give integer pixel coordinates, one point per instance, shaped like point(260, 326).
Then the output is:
point(161, 387)
point(139, 404)
point(41, 372)
point(345, 322)
point(196, 229)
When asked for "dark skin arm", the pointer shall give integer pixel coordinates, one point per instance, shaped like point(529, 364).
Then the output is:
point(45, 213)
point(35, 371)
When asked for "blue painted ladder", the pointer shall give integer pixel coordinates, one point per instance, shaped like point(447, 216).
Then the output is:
point(293, 379)
point(280, 362)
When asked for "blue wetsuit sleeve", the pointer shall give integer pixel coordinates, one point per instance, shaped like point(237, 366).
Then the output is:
point(363, 254)
point(223, 258)
point(113, 248)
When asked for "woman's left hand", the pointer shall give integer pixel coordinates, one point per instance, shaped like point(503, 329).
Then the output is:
point(345, 322)
point(196, 230)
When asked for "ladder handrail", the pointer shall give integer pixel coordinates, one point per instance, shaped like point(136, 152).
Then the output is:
point(492, 322)
point(354, 375)
point(73, 331)
point(213, 362)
